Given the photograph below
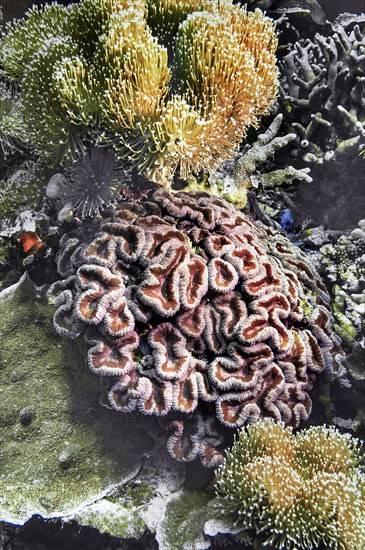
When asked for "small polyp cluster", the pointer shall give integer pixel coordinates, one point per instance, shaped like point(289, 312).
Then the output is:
point(193, 312)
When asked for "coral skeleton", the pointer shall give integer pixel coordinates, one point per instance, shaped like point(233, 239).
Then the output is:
point(188, 306)
point(96, 70)
point(298, 492)
point(322, 90)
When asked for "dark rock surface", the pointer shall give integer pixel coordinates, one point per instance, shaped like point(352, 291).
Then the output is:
point(39, 534)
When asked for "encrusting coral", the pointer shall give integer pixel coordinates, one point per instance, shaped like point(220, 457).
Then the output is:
point(22, 190)
point(187, 305)
point(344, 266)
point(322, 90)
point(95, 70)
point(298, 492)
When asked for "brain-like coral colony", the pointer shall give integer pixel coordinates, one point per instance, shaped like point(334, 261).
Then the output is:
point(299, 492)
point(173, 86)
point(192, 311)
point(322, 90)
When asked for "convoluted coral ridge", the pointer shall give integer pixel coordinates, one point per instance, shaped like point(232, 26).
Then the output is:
point(187, 305)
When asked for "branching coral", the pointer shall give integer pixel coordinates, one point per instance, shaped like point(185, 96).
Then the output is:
point(95, 68)
point(212, 303)
point(299, 491)
point(322, 91)
point(247, 170)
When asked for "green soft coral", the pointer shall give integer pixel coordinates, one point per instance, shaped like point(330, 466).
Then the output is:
point(296, 491)
point(85, 76)
point(13, 133)
point(23, 37)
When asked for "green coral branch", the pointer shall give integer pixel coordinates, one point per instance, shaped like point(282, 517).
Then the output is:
point(247, 170)
point(285, 176)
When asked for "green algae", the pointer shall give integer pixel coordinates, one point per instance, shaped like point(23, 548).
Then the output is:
point(59, 447)
point(115, 519)
point(183, 521)
point(133, 495)
point(120, 514)
point(65, 454)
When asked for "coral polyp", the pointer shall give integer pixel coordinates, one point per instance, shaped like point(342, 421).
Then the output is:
point(98, 70)
point(300, 491)
point(187, 306)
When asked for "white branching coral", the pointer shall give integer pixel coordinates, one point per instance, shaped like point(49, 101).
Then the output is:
point(322, 90)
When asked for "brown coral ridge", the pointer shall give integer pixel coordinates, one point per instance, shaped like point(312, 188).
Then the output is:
point(190, 307)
